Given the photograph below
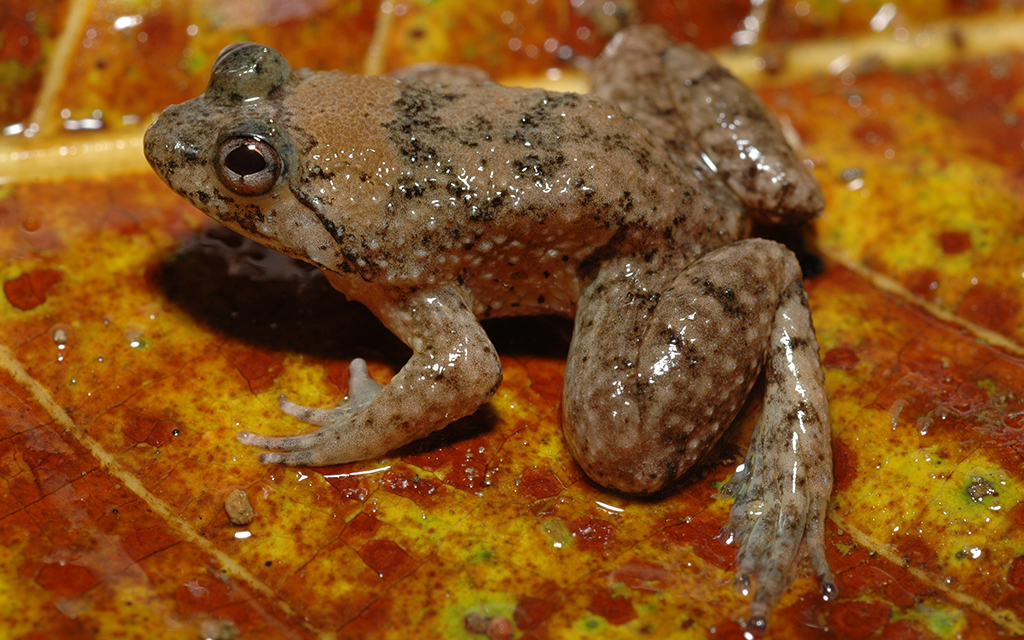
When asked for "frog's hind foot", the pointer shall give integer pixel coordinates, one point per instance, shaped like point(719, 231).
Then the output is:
point(783, 486)
point(312, 448)
point(770, 533)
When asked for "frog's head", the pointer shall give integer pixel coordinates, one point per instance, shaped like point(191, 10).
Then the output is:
point(230, 151)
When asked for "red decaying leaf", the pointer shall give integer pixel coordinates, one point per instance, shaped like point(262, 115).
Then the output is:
point(136, 339)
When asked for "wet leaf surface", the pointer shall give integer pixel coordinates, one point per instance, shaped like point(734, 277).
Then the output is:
point(137, 338)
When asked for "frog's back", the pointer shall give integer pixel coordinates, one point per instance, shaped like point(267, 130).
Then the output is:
point(512, 156)
point(469, 169)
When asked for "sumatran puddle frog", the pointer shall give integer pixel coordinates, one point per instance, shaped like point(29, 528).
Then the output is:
point(438, 202)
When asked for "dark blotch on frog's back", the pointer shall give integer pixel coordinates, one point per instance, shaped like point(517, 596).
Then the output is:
point(417, 118)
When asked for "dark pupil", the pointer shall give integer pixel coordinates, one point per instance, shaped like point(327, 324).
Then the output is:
point(246, 160)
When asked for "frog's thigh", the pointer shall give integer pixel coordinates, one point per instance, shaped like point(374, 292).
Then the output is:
point(658, 370)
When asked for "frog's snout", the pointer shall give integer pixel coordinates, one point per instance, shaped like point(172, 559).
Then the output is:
point(153, 142)
point(169, 144)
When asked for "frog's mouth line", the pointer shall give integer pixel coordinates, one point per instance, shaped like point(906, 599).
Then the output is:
point(310, 202)
point(316, 206)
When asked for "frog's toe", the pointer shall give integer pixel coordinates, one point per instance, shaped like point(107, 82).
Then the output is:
point(362, 389)
point(772, 527)
point(827, 581)
point(304, 458)
point(319, 417)
point(283, 443)
point(815, 543)
point(336, 444)
point(757, 623)
point(335, 441)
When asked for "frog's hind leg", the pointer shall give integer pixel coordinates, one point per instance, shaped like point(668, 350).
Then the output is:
point(689, 100)
point(782, 488)
point(660, 366)
point(663, 358)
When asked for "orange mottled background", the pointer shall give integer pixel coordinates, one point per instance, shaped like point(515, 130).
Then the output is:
point(137, 337)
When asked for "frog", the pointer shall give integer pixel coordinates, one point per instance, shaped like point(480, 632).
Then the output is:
point(441, 199)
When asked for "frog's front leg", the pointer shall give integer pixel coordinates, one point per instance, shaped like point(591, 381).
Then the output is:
point(660, 365)
point(453, 370)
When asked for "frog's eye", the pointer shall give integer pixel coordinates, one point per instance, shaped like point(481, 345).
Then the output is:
point(248, 166)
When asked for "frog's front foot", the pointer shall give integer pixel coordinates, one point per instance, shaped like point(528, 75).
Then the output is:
point(319, 447)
